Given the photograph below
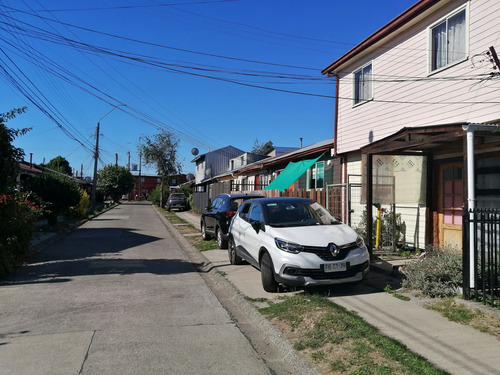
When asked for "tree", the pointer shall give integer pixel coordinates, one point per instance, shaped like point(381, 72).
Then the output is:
point(115, 181)
point(10, 156)
point(161, 151)
point(262, 149)
point(60, 164)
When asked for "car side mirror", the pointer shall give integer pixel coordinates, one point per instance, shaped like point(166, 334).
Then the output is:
point(258, 226)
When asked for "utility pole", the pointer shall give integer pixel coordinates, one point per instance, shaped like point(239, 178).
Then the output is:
point(96, 157)
point(116, 159)
point(140, 161)
point(128, 164)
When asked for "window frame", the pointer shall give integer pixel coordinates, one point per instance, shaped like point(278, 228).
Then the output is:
point(313, 172)
point(445, 19)
point(356, 98)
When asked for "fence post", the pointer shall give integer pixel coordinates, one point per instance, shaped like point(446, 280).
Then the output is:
point(466, 256)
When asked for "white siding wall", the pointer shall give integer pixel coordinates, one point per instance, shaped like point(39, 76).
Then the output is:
point(407, 56)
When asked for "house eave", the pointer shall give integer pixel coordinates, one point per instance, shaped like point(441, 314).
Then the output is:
point(409, 16)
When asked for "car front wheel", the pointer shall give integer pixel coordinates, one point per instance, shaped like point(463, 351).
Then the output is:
point(231, 250)
point(204, 233)
point(221, 242)
point(269, 282)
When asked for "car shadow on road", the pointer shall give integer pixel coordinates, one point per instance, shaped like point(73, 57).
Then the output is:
point(103, 251)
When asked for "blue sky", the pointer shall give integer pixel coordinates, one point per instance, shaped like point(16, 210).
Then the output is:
point(195, 68)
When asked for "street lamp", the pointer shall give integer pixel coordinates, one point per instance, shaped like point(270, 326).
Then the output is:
point(96, 156)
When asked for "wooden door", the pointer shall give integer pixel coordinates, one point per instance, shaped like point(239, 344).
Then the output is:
point(450, 205)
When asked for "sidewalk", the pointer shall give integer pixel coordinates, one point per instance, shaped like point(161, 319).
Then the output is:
point(452, 347)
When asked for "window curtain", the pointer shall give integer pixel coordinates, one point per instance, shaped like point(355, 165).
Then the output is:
point(449, 41)
point(367, 82)
point(363, 84)
point(456, 37)
point(439, 46)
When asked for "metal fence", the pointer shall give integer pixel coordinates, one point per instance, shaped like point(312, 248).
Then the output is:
point(481, 255)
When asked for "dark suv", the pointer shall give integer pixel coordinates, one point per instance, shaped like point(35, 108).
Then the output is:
point(177, 200)
point(215, 218)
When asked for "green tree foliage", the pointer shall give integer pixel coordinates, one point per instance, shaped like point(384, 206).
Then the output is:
point(160, 150)
point(80, 210)
point(10, 156)
point(60, 164)
point(115, 181)
point(262, 149)
point(156, 195)
point(58, 191)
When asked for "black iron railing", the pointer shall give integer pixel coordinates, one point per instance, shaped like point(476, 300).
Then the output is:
point(481, 244)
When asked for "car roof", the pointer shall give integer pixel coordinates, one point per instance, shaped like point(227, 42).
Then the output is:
point(239, 195)
point(282, 199)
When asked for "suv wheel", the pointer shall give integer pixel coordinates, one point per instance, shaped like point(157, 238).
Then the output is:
point(231, 251)
point(221, 242)
point(204, 234)
point(269, 283)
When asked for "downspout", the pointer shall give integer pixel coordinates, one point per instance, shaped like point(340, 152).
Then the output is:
point(471, 200)
point(471, 191)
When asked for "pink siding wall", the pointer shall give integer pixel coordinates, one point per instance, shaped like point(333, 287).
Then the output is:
point(407, 57)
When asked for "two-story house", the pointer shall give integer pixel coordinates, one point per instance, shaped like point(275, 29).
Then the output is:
point(417, 116)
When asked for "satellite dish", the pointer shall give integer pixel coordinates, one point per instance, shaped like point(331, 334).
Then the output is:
point(190, 177)
point(194, 151)
point(208, 172)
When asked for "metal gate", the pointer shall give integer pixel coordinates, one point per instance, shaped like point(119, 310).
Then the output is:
point(344, 202)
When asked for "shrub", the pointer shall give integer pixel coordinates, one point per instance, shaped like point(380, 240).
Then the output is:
point(80, 210)
point(154, 197)
point(387, 234)
point(437, 274)
point(58, 191)
point(17, 216)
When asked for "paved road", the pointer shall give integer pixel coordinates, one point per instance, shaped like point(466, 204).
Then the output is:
point(118, 296)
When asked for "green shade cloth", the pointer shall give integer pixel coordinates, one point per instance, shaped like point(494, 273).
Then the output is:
point(290, 174)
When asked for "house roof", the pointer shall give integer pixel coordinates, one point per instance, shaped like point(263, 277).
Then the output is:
point(286, 157)
point(220, 150)
point(408, 16)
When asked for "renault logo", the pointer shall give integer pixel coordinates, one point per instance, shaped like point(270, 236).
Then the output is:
point(332, 248)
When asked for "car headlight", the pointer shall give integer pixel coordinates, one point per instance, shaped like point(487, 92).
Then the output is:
point(290, 247)
point(360, 242)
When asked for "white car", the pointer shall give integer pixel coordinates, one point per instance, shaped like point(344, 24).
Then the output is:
point(296, 241)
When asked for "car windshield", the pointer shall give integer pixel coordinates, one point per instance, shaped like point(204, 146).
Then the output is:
point(294, 214)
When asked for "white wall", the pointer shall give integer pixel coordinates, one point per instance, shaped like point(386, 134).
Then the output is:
point(406, 57)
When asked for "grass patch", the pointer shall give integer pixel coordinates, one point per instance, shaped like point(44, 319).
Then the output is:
point(192, 234)
point(339, 341)
point(389, 290)
point(460, 313)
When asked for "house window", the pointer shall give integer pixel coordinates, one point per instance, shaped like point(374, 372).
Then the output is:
point(316, 176)
point(363, 84)
point(158, 180)
point(449, 40)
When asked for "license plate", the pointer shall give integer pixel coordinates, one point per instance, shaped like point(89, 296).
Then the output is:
point(335, 267)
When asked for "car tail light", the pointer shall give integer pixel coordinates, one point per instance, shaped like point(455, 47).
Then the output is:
point(229, 213)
